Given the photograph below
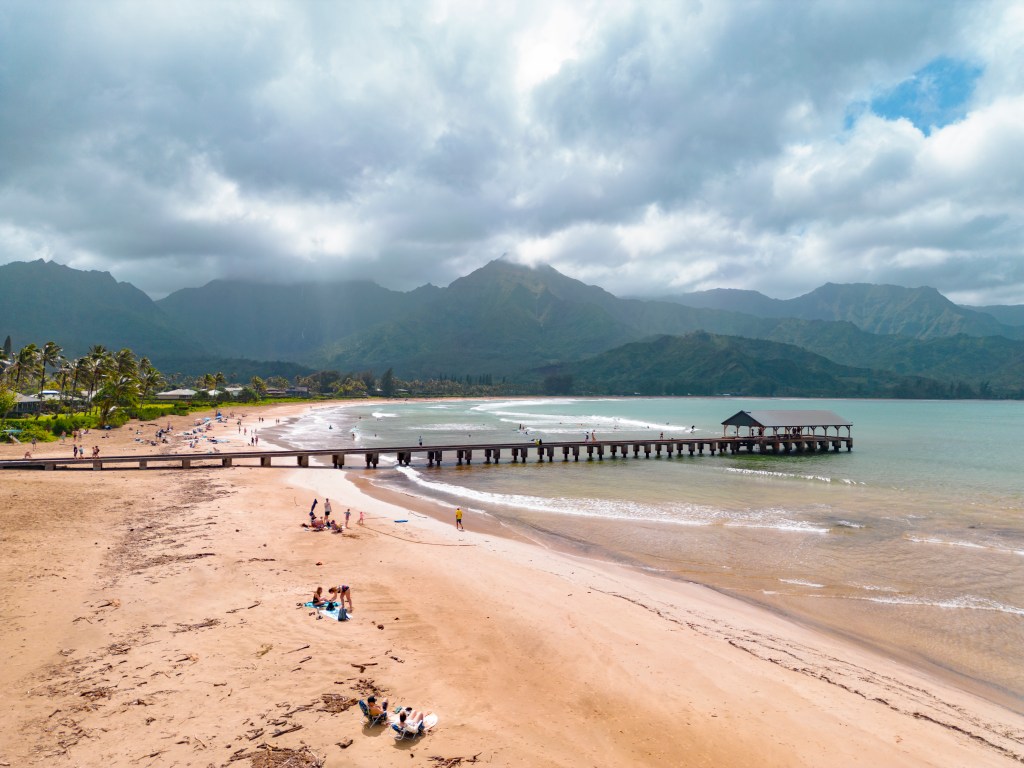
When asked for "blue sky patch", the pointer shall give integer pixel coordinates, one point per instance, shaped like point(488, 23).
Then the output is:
point(934, 96)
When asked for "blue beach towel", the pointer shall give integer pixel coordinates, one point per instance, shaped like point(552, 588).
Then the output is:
point(332, 612)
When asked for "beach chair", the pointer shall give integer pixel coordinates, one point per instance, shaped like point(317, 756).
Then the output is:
point(407, 730)
point(411, 730)
point(372, 720)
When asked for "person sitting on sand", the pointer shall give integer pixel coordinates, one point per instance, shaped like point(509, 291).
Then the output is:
point(333, 526)
point(376, 710)
point(411, 719)
point(318, 597)
point(342, 594)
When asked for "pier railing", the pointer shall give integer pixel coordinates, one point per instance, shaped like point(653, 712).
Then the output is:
point(460, 454)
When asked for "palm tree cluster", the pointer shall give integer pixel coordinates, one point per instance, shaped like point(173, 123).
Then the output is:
point(101, 378)
point(212, 381)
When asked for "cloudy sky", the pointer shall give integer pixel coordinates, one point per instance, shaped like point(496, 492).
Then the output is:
point(646, 147)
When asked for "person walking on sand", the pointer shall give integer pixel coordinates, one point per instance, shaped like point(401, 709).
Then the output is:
point(348, 514)
point(360, 517)
point(458, 519)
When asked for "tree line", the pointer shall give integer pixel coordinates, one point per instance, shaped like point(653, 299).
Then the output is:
point(102, 378)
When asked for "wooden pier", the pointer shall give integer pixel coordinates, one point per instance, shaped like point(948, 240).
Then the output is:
point(436, 455)
point(766, 432)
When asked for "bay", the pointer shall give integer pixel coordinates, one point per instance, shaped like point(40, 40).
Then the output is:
point(912, 543)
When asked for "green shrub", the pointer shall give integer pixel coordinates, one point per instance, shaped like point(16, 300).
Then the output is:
point(29, 428)
point(150, 412)
point(70, 422)
point(118, 418)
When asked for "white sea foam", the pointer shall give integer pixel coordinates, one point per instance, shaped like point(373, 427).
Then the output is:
point(964, 602)
point(678, 513)
point(802, 583)
point(795, 526)
point(963, 544)
point(875, 588)
point(790, 475)
point(382, 415)
point(495, 406)
point(453, 426)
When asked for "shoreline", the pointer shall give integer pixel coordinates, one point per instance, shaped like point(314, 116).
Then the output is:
point(178, 599)
point(555, 541)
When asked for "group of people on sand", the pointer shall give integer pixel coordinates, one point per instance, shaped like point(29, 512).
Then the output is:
point(79, 451)
point(325, 523)
point(337, 596)
point(409, 718)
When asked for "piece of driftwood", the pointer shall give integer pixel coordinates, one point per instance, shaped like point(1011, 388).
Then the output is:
point(267, 756)
point(451, 762)
point(336, 702)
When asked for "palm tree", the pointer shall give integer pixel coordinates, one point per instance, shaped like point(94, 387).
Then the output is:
point(206, 383)
point(85, 371)
point(117, 392)
point(125, 365)
point(149, 378)
point(50, 355)
point(102, 368)
point(26, 363)
point(66, 371)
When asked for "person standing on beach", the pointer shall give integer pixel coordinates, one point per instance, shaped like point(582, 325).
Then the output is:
point(458, 519)
point(327, 512)
point(348, 514)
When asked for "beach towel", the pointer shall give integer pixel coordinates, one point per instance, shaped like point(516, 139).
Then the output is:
point(332, 612)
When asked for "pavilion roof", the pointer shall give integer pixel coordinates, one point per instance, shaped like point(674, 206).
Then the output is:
point(787, 418)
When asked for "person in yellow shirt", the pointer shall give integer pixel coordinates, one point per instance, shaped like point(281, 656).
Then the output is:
point(458, 518)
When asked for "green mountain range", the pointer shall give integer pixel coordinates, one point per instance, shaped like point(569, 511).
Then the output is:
point(44, 301)
point(701, 363)
point(920, 313)
point(535, 325)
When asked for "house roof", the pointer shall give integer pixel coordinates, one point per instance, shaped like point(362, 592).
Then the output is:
point(20, 398)
point(177, 393)
point(787, 419)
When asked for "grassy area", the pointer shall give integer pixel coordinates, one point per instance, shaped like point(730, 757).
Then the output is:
point(47, 427)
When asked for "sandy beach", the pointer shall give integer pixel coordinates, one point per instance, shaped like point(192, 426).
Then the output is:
point(152, 618)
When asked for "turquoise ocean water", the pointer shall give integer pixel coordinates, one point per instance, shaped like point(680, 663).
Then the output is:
point(913, 542)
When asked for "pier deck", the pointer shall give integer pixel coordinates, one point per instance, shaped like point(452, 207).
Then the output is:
point(435, 455)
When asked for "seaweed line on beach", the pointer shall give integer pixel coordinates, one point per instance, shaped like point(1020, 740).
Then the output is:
point(851, 678)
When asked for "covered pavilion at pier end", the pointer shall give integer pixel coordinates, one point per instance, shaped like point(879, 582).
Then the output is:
point(788, 425)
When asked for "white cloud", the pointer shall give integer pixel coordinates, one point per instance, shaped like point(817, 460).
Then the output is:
point(647, 147)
